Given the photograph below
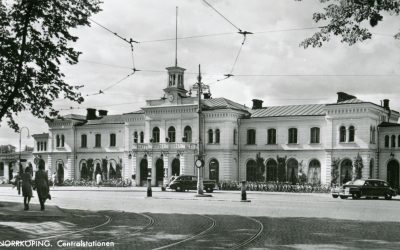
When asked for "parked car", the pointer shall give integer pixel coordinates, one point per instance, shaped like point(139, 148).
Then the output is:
point(336, 191)
point(371, 188)
point(189, 182)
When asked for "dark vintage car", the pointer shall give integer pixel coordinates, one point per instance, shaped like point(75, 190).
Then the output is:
point(371, 188)
point(189, 182)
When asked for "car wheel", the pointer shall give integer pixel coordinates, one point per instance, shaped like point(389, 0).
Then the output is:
point(388, 196)
point(178, 189)
point(356, 196)
point(343, 197)
point(209, 190)
point(335, 195)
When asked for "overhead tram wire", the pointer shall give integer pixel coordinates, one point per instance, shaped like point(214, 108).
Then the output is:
point(101, 91)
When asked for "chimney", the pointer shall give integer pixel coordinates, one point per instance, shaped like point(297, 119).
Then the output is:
point(102, 112)
point(207, 95)
point(257, 104)
point(91, 114)
point(386, 104)
point(344, 97)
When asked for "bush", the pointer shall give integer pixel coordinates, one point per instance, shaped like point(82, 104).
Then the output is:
point(276, 187)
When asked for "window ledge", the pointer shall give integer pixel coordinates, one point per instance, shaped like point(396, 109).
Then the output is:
point(315, 143)
point(251, 144)
point(271, 144)
point(97, 147)
point(292, 143)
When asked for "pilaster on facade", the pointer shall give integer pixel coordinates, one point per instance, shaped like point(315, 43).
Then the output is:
point(327, 169)
point(127, 170)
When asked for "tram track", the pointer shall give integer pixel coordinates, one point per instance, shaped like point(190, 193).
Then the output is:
point(253, 237)
point(213, 224)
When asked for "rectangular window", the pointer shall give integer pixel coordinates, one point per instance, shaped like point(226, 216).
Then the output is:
point(97, 142)
point(83, 141)
point(292, 135)
point(113, 140)
point(271, 136)
point(251, 136)
point(38, 146)
point(45, 146)
point(234, 136)
point(314, 135)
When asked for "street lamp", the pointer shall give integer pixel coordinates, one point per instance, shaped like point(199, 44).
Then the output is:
point(199, 162)
point(19, 157)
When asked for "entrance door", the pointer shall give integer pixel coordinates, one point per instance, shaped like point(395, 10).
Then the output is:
point(60, 173)
point(143, 172)
point(214, 170)
point(176, 167)
point(159, 172)
point(393, 174)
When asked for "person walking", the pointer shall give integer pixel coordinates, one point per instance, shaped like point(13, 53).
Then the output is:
point(98, 179)
point(54, 179)
point(42, 185)
point(26, 179)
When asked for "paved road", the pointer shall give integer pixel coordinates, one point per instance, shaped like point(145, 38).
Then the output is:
point(173, 220)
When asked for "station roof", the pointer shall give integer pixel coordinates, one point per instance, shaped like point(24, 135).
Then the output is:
point(223, 103)
point(290, 110)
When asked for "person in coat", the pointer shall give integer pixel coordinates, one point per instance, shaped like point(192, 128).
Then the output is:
point(26, 179)
point(42, 185)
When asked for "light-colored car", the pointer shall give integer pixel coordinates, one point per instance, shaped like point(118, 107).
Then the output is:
point(339, 191)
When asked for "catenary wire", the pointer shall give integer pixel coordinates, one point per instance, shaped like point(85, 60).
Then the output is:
point(219, 13)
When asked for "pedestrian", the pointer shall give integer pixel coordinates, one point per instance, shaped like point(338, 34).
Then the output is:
point(42, 185)
point(54, 179)
point(30, 169)
point(26, 187)
point(98, 179)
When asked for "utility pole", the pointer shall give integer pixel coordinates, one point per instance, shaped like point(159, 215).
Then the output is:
point(199, 162)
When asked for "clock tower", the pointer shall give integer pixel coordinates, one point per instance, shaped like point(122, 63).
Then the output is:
point(175, 87)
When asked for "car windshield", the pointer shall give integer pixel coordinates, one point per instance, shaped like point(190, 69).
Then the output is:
point(359, 182)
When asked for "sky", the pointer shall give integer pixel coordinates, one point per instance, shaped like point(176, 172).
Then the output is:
point(268, 66)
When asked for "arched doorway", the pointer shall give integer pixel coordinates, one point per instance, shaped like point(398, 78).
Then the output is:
point(292, 171)
point(97, 170)
point(159, 172)
point(272, 170)
point(60, 172)
point(143, 172)
point(346, 171)
point(393, 173)
point(214, 170)
point(176, 167)
point(314, 172)
point(251, 170)
point(84, 171)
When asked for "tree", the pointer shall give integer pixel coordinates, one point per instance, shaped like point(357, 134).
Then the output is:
point(349, 19)
point(35, 39)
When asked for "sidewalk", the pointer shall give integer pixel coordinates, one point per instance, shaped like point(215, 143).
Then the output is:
point(15, 210)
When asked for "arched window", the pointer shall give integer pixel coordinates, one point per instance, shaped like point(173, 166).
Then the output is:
point(113, 140)
point(45, 146)
point(251, 136)
point(314, 135)
point(171, 134)
point(314, 172)
point(271, 136)
point(272, 170)
point(62, 140)
point(210, 136)
point(292, 138)
point(393, 144)
point(251, 170)
point(187, 132)
point(141, 137)
point(235, 135)
point(342, 134)
point(217, 136)
point(97, 140)
point(83, 141)
point(292, 171)
point(135, 137)
point(386, 141)
point(41, 146)
point(57, 141)
point(156, 134)
point(346, 171)
point(351, 133)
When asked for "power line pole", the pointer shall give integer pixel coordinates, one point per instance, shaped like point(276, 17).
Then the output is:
point(199, 162)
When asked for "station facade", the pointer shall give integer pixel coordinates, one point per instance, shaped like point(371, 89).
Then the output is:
point(317, 143)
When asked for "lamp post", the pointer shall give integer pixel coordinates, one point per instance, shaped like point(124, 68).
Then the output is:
point(19, 158)
point(199, 162)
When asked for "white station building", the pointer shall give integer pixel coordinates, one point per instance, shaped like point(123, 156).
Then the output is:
point(318, 143)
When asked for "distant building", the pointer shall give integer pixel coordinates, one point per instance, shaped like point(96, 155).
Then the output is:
point(9, 159)
point(318, 143)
